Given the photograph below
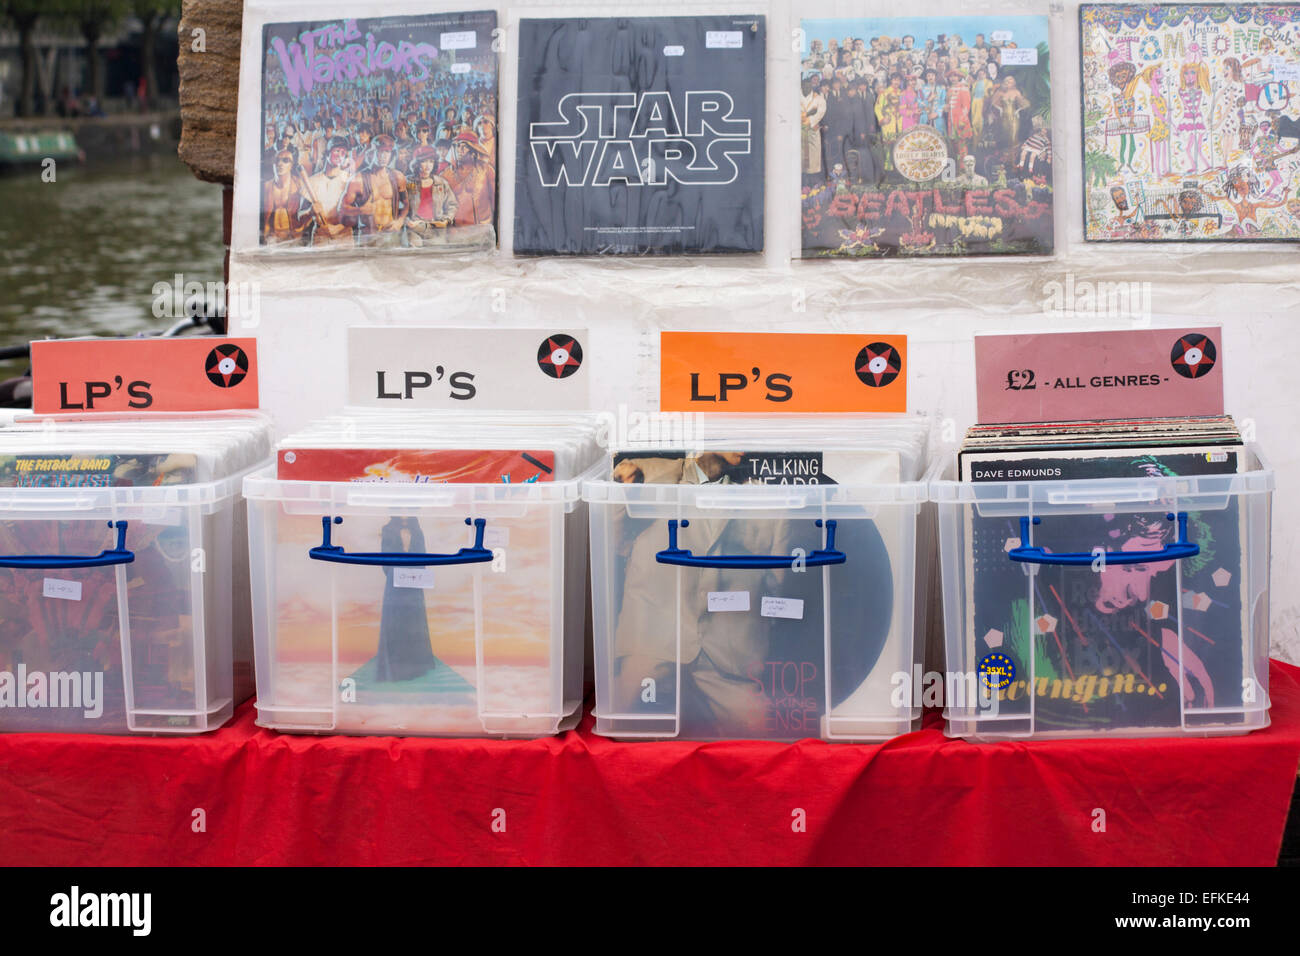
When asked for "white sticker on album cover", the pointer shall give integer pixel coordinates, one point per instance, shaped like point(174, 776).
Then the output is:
point(1002, 36)
point(462, 40)
point(63, 590)
point(674, 50)
point(791, 608)
point(413, 578)
point(1020, 56)
point(723, 39)
point(460, 68)
point(728, 600)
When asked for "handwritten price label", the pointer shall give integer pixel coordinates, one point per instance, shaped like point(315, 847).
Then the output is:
point(728, 601)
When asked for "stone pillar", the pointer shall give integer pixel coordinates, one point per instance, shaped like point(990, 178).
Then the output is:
point(209, 36)
point(209, 33)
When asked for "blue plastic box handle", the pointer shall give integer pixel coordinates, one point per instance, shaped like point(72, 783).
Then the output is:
point(683, 557)
point(1182, 548)
point(475, 554)
point(119, 554)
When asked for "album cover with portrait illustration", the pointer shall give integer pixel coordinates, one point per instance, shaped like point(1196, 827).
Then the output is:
point(1106, 643)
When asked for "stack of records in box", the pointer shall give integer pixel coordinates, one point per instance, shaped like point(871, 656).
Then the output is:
point(78, 496)
point(1104, 635)
point(762, 670)
point(130, 450)
point(791, 449)
point(438, 446)
point(422, 636)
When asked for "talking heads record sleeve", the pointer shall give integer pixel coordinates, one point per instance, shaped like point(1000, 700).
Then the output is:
point(640, 136)
point(1191, 121)
point(380, 132)
point(926, 136)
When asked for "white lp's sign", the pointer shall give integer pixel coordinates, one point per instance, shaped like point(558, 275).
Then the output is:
point(487, 369)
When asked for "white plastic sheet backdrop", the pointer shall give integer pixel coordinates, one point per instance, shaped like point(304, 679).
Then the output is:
point(300, 306)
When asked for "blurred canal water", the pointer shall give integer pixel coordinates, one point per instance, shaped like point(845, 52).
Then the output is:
point(81, 255)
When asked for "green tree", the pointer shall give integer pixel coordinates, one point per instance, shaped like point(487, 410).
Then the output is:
point(152, 14)
point(1099, 166)
point(93, 18)
point(22, 15)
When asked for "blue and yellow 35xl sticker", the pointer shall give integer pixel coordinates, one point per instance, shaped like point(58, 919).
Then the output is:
point(996, 671)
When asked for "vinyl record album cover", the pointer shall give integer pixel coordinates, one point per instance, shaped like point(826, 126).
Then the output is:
point(95, 470)
point(427, 649)
point(380, 132)
point(926, 136)
point(640, 136)
point(1103, 639)
point(60, 629)
point(756, 646)
point(1191, 121)
point(416, 466)
point(756, 467)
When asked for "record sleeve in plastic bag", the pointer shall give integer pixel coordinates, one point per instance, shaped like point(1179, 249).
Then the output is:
point(640, 136)
point(926, 137)
point(1191, 125)
point(379, 133)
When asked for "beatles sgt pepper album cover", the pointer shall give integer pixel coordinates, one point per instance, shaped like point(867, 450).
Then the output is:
point(640, 136)
point(926, 137)
point(380, 133)
point(1191, 125)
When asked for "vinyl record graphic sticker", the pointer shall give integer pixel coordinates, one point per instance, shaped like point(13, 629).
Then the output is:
point(878, 364)
point(1193, 355)
point(559, 356)
point(226, 365)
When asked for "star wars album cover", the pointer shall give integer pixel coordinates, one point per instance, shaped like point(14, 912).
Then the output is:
point(1191, 121)
point(926, 136)
point(640, 136)
point(1104, 638)
point(380, 132)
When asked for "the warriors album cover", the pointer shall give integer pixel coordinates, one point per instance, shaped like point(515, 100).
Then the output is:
point(640, 136)
point(925, 137)
point(1191, 121)
point(380, 133)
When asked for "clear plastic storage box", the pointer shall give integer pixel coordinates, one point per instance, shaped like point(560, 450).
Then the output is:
point(123, 609)
point(436, 609)
point(773, 612)
point(1106, 607)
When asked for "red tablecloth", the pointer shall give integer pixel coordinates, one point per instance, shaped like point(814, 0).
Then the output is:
point(245, 796)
